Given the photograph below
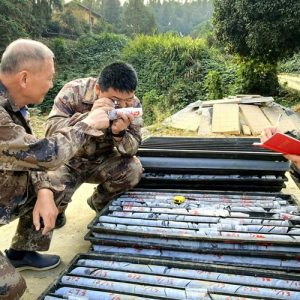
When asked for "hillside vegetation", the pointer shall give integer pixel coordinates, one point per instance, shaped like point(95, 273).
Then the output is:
point(173, 71)
point(183, 51)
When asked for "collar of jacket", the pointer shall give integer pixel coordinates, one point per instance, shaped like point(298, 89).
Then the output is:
point(2, 89)
point(8, 104)
point(11, 105)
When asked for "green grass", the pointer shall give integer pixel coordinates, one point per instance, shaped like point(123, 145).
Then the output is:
point(38, 122)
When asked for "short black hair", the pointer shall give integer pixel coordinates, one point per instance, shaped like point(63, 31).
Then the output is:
point(119, 76)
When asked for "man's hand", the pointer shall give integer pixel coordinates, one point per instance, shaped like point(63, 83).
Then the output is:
point(267, 133)
point(294, 158)
point(121, 123)
point(105, 103)
point(97, 118)
point(46, 209)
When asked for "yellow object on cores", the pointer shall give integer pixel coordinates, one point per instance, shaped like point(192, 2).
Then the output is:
point(178, 199)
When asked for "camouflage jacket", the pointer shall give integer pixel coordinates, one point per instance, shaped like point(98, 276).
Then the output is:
point(24, 158)
point(72, 103)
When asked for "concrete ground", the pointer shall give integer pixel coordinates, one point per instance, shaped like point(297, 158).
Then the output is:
point(68, 241)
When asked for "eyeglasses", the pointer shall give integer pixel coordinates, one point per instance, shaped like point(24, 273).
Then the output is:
point(117, 102)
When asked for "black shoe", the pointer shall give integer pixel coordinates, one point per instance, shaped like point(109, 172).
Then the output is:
point(33, 260)
point(60, 220)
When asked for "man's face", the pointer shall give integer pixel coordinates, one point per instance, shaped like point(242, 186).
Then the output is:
point(120, 99)
point(39, 82)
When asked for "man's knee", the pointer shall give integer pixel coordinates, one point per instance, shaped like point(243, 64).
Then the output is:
point(12, 284)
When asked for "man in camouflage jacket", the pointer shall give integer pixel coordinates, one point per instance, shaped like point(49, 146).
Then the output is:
point(26, 190)
point(107, 160)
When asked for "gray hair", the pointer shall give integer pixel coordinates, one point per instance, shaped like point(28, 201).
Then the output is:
point(24, 54)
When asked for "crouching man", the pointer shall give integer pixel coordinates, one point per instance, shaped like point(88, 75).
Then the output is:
point(27, 191)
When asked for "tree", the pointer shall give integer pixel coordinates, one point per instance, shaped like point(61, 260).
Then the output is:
point(16, 20)
point(42, 13)
point(71, 25)
point(111, 11)
point(94, 4)
point(180, 16)
point(260, 31)
point(137, 18)
point(25, 18)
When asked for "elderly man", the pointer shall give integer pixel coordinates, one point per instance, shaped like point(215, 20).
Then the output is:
point(107, 160)
point(27, 191)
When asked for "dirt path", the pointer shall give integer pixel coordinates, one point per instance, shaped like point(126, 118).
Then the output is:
point(292, 81)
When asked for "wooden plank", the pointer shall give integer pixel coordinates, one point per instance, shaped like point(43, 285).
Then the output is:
point(256, 100)
point(226, 118)
point(296, 121)
point(248, 96)
point(186, 119)
point(273, 113)
point(236, 100)
point(246, 130)
point(294, 115)
point(254, 118)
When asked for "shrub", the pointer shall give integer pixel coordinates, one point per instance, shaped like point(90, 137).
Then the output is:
point(173, 66)
point(171, 69)
point(153, 107)
point(290, 64)
point(82, 58)
point(214, 85)
point(257, 78)
point(288, 97)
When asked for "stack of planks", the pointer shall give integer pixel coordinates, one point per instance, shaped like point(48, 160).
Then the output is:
point(235, 115)
point(245, 115)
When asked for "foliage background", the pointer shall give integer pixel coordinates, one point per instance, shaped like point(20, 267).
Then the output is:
point(179, 51)
point(172, 70)
point(84, 57)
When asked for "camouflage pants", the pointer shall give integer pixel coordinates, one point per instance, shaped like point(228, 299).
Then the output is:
point(113, 173)
point(12, 284)
point(26, 237)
